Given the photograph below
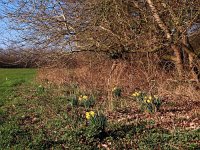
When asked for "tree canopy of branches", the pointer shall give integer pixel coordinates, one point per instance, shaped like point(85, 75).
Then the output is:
point(113, 26)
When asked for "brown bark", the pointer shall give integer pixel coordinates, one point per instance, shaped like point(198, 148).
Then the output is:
point(178, 62)
point(188, 49)
point(193, 74)
point(158, 19)
point(176, 49)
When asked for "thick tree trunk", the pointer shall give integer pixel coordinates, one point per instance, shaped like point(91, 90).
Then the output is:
point(193, 74)
point(178, 60)
point(188, 49)
point(160, 23)
point(176, 49)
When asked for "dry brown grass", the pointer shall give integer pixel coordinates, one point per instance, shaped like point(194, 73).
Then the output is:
point(94, 72)
point(98, 72)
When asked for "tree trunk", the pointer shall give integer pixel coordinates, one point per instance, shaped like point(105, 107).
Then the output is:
point(159, 21)
point(178, 60)
point(193, 74)
point(176, 49)
point(188, 47)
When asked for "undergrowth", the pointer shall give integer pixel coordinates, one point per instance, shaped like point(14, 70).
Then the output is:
point(43, 117)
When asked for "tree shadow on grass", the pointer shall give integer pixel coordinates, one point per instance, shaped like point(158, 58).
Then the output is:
point(122, 131)
point(47, 144)
point(181, 107)
point(130, 130)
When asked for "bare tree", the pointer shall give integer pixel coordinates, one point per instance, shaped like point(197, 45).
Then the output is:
point(43, 23)
point(112, 26)
point(145, 26)
point(183, 15)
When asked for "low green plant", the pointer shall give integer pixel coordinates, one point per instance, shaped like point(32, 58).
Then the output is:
point(73, 100)
point(117, 91)
point(96, 123)
point(40, 89)
point(82, 100)
point(147, 102)
point(86, 101)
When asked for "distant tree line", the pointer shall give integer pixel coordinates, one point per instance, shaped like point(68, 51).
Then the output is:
point(11, 58)
point(32, 58)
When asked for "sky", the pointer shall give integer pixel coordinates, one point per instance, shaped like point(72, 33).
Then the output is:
point(6, 34)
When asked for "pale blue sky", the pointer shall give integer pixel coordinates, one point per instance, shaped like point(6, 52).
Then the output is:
point(6, 34)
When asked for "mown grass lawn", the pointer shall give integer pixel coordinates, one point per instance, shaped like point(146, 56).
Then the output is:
point(10, 78)
point(34, 116)
point(10, 81)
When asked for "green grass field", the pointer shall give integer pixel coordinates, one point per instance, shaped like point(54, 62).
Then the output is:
point(10, 78)
point(34, 116)
point(10, 81)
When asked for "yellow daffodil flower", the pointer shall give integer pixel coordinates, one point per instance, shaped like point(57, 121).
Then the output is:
point(90, 114)
point(134, 94)
point(85, 97)
point(80, 98)
point(87, 115)
point(150, 97)
point(148, 101)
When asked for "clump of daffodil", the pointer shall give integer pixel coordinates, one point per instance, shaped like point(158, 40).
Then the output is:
point(147, 102)
point(139, 96)
point(96, 123)
point(83, 98)
point(89, 115)
point(135, 94)
point(86, 101)
point(148, 99)
point(117, 91)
